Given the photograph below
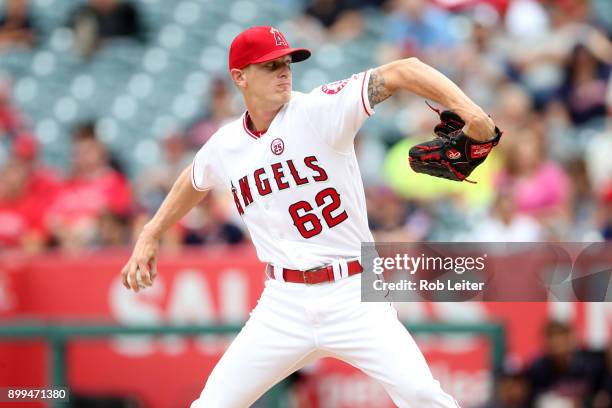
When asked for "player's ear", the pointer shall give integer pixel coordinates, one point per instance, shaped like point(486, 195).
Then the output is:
point(239, 77)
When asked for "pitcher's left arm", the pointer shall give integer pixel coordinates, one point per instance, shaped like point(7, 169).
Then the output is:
point(412, 75)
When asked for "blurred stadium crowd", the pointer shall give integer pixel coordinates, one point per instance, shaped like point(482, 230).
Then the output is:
point(103, 102)
point(563, 375)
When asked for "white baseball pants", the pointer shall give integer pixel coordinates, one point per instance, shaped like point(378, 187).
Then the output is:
point(294, 324)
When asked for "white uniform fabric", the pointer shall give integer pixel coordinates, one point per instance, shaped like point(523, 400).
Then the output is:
point(317, 131)
point(299, 191)
point(294, 324)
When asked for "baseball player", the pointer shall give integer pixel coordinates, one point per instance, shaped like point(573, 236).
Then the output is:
point(290, 164)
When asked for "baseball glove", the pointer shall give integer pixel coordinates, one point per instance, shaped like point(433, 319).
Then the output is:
point(451, 154)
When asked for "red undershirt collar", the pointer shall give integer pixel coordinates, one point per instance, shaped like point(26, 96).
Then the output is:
point(253, 133)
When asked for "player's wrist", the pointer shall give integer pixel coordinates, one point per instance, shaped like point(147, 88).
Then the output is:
point(151, 231)
point(478, 125)
point(480, 128)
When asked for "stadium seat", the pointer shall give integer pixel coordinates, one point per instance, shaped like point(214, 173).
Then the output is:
point(26, 89)
point(187, 13)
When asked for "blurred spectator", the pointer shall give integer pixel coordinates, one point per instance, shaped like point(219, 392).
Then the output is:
point(584, 86)
point(387, 215)
point(511, 391)
point(16, 28)
point(154, 183)
point(603, 399)
point(526, 18)
point(209, 223)
point(44, 181)
point(417, 28)
point(565, 372)
point(11, 120)
point(26, 191)
point(484, 58)
point(598, 150)
point(21, 209)
point(92, 188)
point(100, 20)
point(334, 19)
point(113, 230)
point(541, 51)
point(220, 109)
point(503, 224)
point(539, 187)
point(604, 213)
point(597, 158)
point(583, 201)
point(564, 142)
point(327, 12)
point(514, 108)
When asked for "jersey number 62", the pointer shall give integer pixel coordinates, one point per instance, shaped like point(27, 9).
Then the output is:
point(301, 213)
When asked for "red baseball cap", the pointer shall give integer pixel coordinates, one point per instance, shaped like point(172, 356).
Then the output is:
point(261, 44)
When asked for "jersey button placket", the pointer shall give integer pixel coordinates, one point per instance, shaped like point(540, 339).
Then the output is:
point(265, 207)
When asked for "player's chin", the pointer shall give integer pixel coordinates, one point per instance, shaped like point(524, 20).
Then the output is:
point(282, 97)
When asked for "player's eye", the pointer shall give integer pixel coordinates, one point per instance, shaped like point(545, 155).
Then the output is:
point(273, 66)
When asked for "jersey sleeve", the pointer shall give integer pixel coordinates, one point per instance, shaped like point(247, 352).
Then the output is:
point(205, 168)
point(338, 110)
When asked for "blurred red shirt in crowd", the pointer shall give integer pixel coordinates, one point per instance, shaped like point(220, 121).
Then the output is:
point(42, 180)
point(26, 189)
point(87, 197)
point(21, 209)
point(92, 189)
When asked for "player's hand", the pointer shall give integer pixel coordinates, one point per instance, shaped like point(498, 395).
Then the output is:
point(140, 270)
point(478, 125)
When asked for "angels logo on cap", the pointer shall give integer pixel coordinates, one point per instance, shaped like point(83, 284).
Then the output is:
point(279, 37)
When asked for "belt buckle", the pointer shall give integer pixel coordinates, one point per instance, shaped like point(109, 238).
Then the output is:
point(305, 276)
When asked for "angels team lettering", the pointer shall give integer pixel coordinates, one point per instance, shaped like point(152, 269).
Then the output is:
point(278, 174)
point(282, 175)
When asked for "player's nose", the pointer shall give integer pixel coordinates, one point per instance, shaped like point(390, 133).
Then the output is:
point(285, 71)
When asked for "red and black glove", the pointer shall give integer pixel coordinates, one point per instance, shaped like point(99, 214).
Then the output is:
point(451, 154)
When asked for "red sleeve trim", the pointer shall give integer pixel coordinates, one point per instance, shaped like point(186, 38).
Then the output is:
point(193, 181)
point(363, 101)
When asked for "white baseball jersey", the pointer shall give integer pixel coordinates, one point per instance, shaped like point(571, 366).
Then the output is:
point(297, 186)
